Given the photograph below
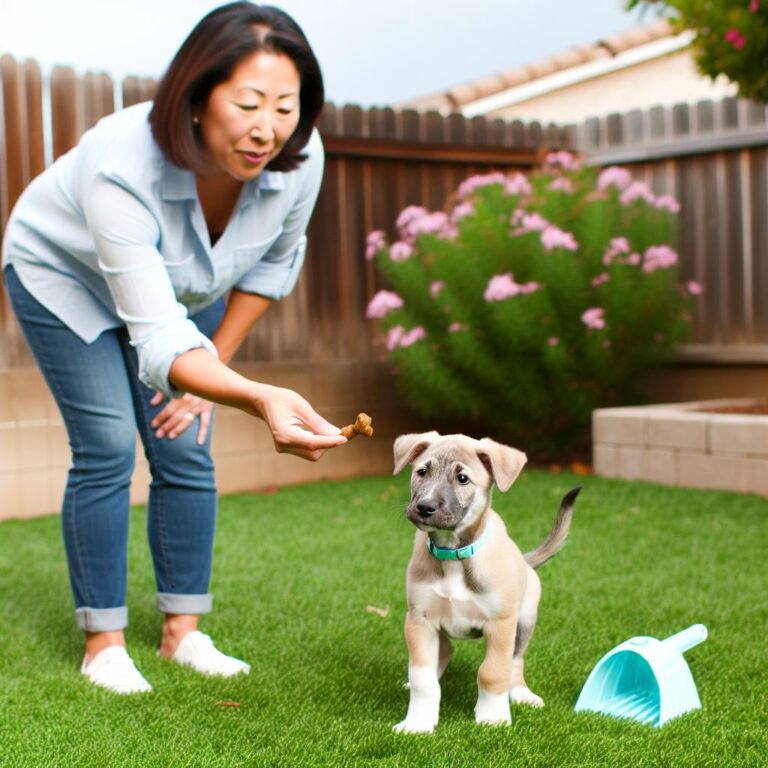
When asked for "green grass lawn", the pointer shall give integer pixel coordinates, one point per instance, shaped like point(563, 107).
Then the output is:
point(293, 575)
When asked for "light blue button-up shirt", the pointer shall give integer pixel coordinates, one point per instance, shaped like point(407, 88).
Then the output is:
point(113, 234)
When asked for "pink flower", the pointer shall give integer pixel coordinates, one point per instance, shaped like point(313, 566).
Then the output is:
point(552, 237)
point(382, 304)
point(637, 190)
point(415, 220)
point(435, 288)
point(553, 341)
point(633, 259)
point(373, 243)
point(456, 327)
point(614, 176)
point(394, 336)
point(667, 203)
point(594, 318)
point(563, 184)
point(461, 211)
point(517, 185)
point(408, 215)
point(735, 38)
point(411, 337)
point(501, 287)
point(694, 288)
point(754, 6)
point(562, 159)
point(600, 279)
point(468, 186)
point(616, 247)
point(528, 222)
point(659, 257)
point(400, 251)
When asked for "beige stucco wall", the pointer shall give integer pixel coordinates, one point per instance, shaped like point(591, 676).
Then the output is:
point(669, 80)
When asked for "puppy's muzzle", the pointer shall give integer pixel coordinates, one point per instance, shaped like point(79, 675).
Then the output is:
point(425, 510)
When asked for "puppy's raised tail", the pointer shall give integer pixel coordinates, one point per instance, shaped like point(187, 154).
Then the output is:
point(556, 539)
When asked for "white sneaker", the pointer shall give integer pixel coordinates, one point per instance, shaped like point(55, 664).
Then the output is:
point(197, 650)
point(113, 669)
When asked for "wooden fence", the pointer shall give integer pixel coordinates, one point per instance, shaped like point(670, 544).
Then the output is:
point(377, 162)
point(714, 158)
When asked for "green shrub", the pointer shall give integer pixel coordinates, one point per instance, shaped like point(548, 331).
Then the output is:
point(527, 303)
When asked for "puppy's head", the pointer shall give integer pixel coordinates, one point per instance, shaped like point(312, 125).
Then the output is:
point(452, 477)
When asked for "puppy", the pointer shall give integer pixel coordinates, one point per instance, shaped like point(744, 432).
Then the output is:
point(466, 577)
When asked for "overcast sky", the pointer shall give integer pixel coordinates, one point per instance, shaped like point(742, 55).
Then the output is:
point(372, 53)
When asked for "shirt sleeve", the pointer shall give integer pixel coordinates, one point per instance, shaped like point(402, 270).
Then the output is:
point(126, 234)
point(276, 273)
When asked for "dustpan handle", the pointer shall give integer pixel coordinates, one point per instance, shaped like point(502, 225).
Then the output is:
point(688, 638)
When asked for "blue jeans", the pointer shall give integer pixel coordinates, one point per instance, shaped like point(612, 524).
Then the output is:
point(103, 403)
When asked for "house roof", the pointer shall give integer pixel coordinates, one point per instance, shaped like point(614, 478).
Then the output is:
point(458, 97)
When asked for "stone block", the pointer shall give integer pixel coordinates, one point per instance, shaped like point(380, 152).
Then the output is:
point(621, 426)
point(604, 462)
point(660, 466)
point(630, 463)
point(737, 433)
point(702, 470)
point(754, 476)
point(677, 429)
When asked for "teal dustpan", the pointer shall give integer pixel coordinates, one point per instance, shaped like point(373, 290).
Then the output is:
point(645, 679)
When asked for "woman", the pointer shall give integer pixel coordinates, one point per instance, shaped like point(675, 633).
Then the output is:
point(116, 260)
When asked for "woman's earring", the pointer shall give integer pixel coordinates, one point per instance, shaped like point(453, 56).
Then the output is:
point(195, 120)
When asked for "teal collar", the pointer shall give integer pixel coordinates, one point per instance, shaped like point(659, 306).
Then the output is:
point(462, 553)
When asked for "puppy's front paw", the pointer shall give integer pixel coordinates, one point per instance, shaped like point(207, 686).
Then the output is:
point(415, 725)
point(521, 694)
point(492, 709)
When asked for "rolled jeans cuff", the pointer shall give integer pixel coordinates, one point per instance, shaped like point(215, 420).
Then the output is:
point(102, 619)
point(187, 604)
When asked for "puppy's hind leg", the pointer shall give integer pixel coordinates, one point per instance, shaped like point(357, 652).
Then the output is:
point(519, 692)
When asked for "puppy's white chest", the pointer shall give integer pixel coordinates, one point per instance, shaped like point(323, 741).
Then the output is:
point(452, 587)
point(455, 608)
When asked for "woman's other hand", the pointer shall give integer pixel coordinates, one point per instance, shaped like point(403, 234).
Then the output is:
point(180, 414)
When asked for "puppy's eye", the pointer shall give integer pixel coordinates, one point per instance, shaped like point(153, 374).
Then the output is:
point(421, 471)
point(462, 478)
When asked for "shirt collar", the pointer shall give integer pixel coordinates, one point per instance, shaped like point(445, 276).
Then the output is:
point(179, 184)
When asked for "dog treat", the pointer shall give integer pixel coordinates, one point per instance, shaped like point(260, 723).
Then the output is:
point(362, 426)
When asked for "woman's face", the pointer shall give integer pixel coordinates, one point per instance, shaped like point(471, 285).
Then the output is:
point(249, 117)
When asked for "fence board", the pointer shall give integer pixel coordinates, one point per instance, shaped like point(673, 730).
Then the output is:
point(66, 110)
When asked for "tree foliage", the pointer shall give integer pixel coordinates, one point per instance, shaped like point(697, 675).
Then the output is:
point(731, 38)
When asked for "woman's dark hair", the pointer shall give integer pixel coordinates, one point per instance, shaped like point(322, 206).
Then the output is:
point(219, 42)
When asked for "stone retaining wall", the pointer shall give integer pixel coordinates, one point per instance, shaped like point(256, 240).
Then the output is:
point(680, 444)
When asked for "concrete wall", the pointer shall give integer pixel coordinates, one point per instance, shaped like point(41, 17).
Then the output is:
point(34, 455)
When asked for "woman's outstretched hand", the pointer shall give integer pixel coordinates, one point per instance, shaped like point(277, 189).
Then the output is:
point(296, 427)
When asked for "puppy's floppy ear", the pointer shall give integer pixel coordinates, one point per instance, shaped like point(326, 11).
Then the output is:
point(503, 463)
point(408, 447)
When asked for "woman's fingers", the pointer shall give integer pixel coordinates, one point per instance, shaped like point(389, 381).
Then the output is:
point(180, 414)
point(204, 426)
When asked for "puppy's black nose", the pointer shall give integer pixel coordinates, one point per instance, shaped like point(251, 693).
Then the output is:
point(425, 510)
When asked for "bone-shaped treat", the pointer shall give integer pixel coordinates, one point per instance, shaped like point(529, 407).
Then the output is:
point(362, 426)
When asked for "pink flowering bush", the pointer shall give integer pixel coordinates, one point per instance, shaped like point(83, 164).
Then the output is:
point(529, 301)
